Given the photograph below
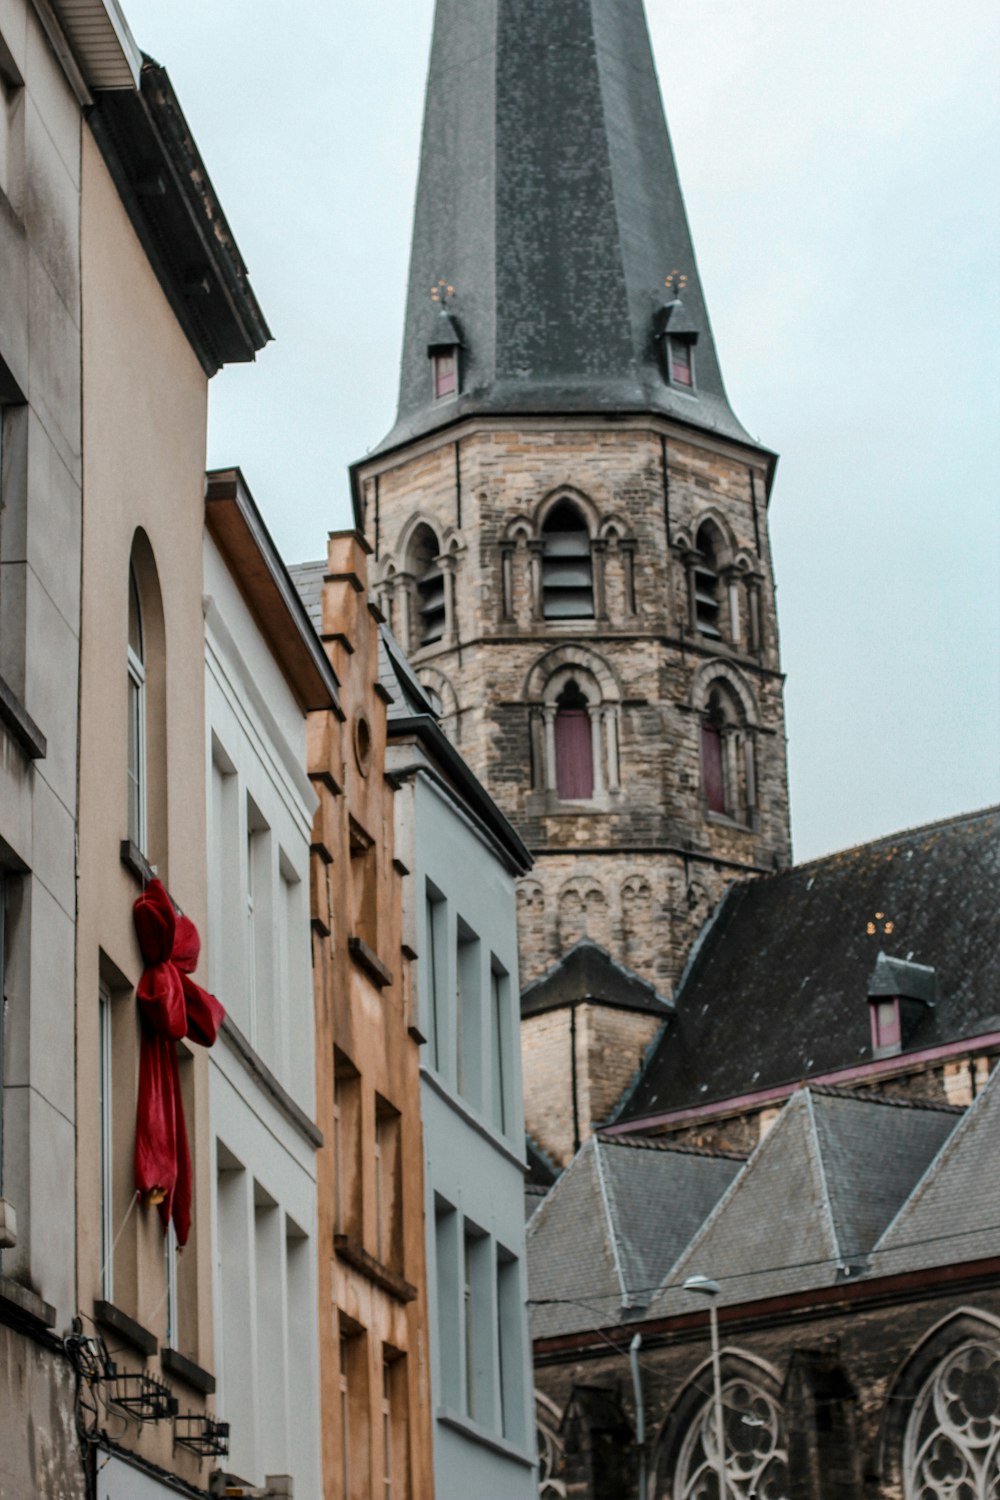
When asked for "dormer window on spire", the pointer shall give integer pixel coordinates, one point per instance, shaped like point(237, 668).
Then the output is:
point(445, 346)
point(676, 333)
point(681, 362)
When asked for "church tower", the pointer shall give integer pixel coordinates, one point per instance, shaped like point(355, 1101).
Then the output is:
point(568, 520)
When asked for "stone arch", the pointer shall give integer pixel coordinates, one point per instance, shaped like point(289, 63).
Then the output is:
point(440, 685)
point(574, 657)
point(518, 528)
point(712, 520)
point(576, 497)
point(583, 913)
point(548, 1424)
point(614, 526)
point(408, 530)
point(717, 671)
point(966, 1342)
point(684, 1450)
point(531, 934)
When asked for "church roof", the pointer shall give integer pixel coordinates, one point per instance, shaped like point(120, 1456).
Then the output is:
point(812, 1200)
point(953, 1215)
point(627, 1206)
point(587, 974)
point(778, 989)
point(550, 223)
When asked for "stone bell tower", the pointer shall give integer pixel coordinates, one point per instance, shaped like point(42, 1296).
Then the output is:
point(569, 522)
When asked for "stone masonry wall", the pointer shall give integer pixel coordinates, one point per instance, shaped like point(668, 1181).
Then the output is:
point(640, 866)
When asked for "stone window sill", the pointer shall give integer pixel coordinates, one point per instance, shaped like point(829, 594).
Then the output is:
point(185, 1369)
point(390, 1281)
point(369, 961)
point(20, 723)
point(136, 863)
point(476, 1434)
point(133, 1333)
point(21, 1300)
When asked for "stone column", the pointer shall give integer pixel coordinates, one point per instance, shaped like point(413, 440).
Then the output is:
point(549, 714)
point(447, 567)
point(750, 756)
point(536, 550)
point(627, 550)
point(733, 595)
point(611, 735)
point(405, 587)
point(597, 749)
point(507, 580)
point(598, 556)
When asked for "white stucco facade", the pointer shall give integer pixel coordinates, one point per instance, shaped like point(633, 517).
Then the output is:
point(263, 1066)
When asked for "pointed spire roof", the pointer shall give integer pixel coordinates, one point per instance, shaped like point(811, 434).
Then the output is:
point(549, 218)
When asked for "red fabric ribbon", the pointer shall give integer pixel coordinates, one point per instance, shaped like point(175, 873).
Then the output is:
point(171, 1006)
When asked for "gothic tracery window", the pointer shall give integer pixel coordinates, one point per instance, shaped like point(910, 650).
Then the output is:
point(952, 1447)
point(756, 1461)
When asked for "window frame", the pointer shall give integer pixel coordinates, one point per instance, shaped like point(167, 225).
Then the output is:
point(138, 748)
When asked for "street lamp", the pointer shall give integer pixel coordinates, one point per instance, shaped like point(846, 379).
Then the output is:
point(711, 1289)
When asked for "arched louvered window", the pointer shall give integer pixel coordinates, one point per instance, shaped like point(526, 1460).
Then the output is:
point(574, 746)
point(707, 589)
point(952, 1448)
point(424, 553)
point(567, 573)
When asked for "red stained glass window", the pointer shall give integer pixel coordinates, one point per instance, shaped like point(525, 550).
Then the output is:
point(445, 375)
point(681, 366)
point(711, 768)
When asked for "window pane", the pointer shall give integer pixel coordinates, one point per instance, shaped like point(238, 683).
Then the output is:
point(680, 362)
point(711, 767)
point(574, 755)
point(445, 374)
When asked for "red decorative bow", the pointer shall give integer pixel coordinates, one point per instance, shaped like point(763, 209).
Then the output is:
point(171, 1006)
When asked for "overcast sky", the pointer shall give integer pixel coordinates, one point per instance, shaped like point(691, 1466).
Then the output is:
point(840, 163)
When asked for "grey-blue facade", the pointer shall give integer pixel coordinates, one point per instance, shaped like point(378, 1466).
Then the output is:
point(462, 858)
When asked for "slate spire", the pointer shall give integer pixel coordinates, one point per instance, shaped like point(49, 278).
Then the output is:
point(549, 200)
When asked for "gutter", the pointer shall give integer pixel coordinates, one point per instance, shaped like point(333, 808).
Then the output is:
point(902, 1062)
point(92, 41)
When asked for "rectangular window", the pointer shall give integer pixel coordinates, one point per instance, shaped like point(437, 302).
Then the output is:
point(226, 944)
point(447, 1258)
point(480, 1338)
point(388, 1186)
point(3, 1008)
point(887, 1032)
point(260, 934)
point(445, 375)
point(347, 1146)
point(500, 984)
point(170, 1271)
point(510, 1351)
point(435, 978)
point(395, 1435)
point(105, 1066)
point(681, 362)
point(469, 1016)
point(355, 1415)
point(364, 887)
point(713, 778)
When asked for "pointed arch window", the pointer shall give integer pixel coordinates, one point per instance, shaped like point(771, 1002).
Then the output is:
point(728, 774)
point(574, 746)
point(713, 766)
point(953, 1437)
point(137, 791)
point(567, 570)
point(756, 1462)
point(707, 587)
point(430, 587)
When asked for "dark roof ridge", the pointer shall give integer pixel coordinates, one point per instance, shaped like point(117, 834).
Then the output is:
point(841, 1091)
point(659, 1143)
point(900, 834)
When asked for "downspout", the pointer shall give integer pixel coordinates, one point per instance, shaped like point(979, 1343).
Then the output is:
point(666, 488)
point(640, 1412)
point(576, 1101)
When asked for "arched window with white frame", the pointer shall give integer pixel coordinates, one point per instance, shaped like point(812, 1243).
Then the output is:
point(137, 749)
point(751, 1447)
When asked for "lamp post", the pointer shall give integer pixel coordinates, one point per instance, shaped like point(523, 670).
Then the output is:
point(710, 1289)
